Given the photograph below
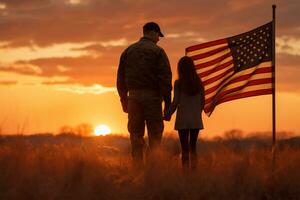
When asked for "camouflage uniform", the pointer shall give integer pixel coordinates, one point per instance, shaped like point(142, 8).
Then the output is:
point(144, 81)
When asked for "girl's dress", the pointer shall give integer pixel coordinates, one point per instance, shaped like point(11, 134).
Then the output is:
point(189, 109)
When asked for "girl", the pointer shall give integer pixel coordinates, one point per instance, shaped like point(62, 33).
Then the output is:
point(189, 101)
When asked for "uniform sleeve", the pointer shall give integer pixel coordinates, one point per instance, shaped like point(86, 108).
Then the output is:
point(164, 77)
point(175, 101)
point(121, 85)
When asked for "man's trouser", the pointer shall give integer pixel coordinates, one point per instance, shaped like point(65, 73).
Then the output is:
point(144, 109)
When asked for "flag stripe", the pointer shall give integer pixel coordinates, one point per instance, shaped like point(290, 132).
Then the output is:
point(210, 53)
point(222, 71)
point(243, 72)
point(221, 81)
point(215, 78)
point(237, 93)
point(212, 62)
point(264, 70)
point(236, 80)
point(200, 70)
point(218, 74)
point(209, 110)
point(207, 44)
point(213, 70)
point(213, 57)
point(238, 86)
point(247, 94)
point(205, 50)
point(227, 66)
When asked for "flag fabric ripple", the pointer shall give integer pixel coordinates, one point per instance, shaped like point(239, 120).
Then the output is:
point(235, 67)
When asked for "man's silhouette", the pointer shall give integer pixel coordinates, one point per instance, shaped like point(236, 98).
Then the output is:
point(144, 81)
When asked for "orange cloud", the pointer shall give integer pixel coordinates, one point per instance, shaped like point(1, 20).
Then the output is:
point(8, 83)
point(83, 39)
point(288, 45)
point(79, 89)
point(2, 6)
point(74, 46)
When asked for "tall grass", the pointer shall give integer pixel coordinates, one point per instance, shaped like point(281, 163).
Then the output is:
point(73, 167)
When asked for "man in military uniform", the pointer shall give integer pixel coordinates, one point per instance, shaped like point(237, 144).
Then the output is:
point(143, 82)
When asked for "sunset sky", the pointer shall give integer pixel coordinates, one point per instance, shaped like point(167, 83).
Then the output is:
point(59, 58)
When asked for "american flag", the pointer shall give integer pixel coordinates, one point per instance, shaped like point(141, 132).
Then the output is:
point(235, 67)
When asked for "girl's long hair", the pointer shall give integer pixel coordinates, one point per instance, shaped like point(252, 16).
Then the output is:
point(189, 81)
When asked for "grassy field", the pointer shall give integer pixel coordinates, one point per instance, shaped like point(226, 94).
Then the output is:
point(73, 167)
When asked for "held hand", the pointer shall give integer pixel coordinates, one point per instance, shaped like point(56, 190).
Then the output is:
point(167, 118)
point(124, 105)
point(125, 109)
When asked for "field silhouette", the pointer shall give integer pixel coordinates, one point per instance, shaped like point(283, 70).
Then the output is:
point(68, 166)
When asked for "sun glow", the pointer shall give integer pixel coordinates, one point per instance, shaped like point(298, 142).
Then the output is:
point(102, 130)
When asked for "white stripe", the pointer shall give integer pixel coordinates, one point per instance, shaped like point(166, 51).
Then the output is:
point(204, 50)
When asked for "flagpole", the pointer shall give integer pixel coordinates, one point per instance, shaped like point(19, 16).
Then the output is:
point(273, 81)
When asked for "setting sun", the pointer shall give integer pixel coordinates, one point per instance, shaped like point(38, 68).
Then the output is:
point(102, 130)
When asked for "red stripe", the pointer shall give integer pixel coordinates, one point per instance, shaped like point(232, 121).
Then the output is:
point(207, 44)
point(212, 62)
point(213, 79)
point(209, 53)
point(220, 67)
point(245, 94)
point(249, 83)
point(241, 78)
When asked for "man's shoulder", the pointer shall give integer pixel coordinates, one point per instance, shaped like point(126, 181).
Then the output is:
point(160, 48)
point(131, 46)
point(149, 44)
point(155, 46)
point(145, 45)
point(157, 49)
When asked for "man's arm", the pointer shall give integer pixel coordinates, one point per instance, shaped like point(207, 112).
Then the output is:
point(121, 85)
point(168, 113)
point(164, 78)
